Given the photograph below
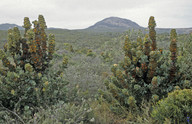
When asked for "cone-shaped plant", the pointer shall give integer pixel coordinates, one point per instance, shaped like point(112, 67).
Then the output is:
point(147, 44)
point(17, 38)
point(152, 32)
point(51, 48)
point(127, 47)
point(11, 42)
point(139, 43)
point(43, 26)
point(152, 64)
point(27, 24)
point(42, 22)
point(71, 48)
point(38, 39)
point(173, 34)
point(173, 49)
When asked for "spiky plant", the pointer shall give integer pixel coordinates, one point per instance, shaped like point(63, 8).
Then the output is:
point(152, 32)
point(173, 49)
point(26, 79)
point(144, 74)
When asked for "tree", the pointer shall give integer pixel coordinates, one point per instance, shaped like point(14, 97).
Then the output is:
point(152, 32)
point(27, 80)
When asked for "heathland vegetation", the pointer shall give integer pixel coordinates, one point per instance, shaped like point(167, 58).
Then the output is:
point(94, 77)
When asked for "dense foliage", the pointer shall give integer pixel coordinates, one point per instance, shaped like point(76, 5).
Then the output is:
point(27, 80)
point(177, 107)
point(185, 59)
point(34, 90)
point(147, 73)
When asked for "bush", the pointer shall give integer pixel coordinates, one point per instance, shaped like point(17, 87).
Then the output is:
point(65, 113)
point(103, 114)
point(107, 57)
point(90, 53)
point(146, 73)
point(27, 79)
point(185, 58)
point(60, 113)
point(177, 107)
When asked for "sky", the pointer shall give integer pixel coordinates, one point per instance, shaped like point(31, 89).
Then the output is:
point(79, 14)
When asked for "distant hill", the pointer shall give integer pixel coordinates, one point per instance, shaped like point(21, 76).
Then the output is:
point(179, 30)
point(111, 24)
point(7, 26)
point(114, 24)
point(53, 28)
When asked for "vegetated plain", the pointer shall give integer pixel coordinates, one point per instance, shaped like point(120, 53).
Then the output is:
point(89, 56)
point(89, 71)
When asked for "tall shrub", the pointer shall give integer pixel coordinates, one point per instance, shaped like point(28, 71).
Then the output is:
point(145, 74)
point(27, 80)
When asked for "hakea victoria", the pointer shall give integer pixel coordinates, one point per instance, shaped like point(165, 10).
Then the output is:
point(173, 49)
point(152, 32)
point(32, 48)
point(25, 70)
point(145, 72)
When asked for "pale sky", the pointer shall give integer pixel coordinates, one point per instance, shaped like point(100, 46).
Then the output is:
point(79, 14)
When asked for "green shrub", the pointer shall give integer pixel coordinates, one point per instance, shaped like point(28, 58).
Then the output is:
point(60, 113)
point(185, 58)
point(27, 79)
point(103, 114)
point(146, 73)
point(68, 47)
point(177, 107)
point(66, 113)
point(107, 56)
point(65, 61)
point(90, 53)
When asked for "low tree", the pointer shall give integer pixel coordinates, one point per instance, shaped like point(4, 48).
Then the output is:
point(27, 80)
point(145, 74)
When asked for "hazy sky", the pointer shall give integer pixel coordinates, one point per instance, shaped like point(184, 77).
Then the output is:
point(77, 14)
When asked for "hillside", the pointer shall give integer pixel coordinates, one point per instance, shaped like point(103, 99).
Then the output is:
point(114, 24)
point(7, 26)
point(111, 24)
point(179, 30)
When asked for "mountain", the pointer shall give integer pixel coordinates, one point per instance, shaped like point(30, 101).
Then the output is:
point(114, 24)
point(53, 28)
point(179, 30)
point(111, 24)
point(7, 26)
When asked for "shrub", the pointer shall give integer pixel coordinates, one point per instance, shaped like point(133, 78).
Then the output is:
point(65, 113)
point(152, 32)
point(146, 72)
point(60, 113)
point(103, 114)
point(107, 56)
point(90, 53)
point(26, 77)
point(177, 107)
point(184, 59)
